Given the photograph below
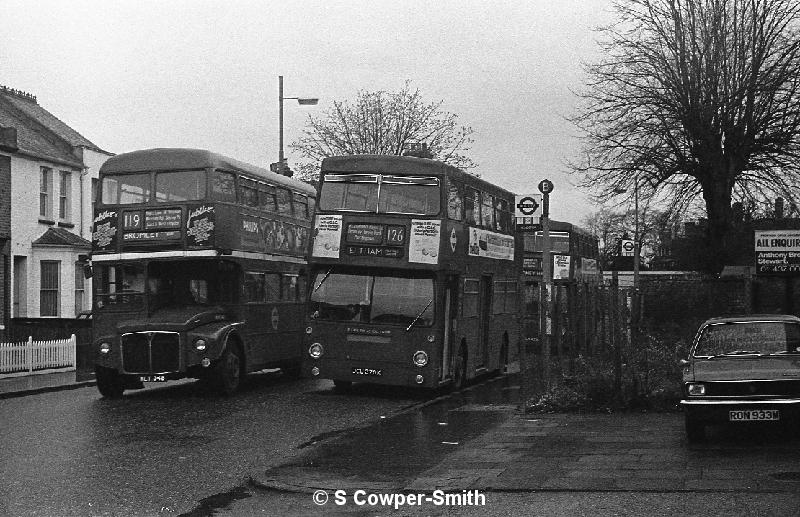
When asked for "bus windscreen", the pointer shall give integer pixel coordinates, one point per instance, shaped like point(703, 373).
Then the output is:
point(373, 299)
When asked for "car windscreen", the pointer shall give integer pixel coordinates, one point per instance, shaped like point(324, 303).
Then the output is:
point(748, 337)
point(376, 299)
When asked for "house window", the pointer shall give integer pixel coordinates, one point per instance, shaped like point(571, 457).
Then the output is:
point(45, 187)
point(48, 293)
point(79, 287)
point(64, 195)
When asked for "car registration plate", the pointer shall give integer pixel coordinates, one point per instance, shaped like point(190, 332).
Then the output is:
point(754, 415)
point(153, 378)
point(372, 372)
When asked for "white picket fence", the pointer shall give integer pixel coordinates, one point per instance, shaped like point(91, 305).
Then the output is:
point(33, 357)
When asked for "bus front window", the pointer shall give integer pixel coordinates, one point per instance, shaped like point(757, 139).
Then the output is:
point(376, 193)
point(390, 300)
point(118, 284)
point(194, 282)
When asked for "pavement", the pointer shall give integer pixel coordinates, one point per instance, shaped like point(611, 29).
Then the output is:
point(546, 452)
point(43, 382)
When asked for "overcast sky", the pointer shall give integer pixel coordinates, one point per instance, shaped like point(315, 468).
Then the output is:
point(169, 73)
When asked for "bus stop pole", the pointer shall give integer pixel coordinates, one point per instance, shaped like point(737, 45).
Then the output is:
point(546, 325)
point(546, 307)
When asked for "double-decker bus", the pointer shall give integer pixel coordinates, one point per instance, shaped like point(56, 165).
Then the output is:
point(413, 274)
point(197, 263)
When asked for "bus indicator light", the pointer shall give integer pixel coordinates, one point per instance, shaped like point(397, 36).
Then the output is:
point(315, 371)
point(420, 379)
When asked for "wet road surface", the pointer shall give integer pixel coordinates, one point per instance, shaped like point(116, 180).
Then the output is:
point(162, 450)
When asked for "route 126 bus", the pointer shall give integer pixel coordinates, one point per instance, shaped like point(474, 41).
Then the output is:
point(413, 274)
point(197, 262)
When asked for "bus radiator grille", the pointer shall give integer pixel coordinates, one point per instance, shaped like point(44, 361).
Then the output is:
point(150, 352)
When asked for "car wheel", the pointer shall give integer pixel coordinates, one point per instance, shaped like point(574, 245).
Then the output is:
point(342, 386)
point(109, 383)
point(695, 430)
point(229, 370)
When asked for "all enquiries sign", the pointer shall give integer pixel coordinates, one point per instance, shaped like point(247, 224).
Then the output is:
point(777, 252)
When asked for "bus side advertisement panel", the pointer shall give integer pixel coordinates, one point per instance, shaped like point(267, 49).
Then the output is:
point(483, 243)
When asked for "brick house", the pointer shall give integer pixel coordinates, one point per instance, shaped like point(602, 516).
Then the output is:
point(48, 176)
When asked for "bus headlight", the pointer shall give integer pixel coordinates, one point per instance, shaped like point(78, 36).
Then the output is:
point(420, 358)
point(200, 344)
point(696, 389)
point(316, 350)
point(105, 347)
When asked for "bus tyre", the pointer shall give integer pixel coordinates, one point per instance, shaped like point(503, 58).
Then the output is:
point(695, 430)
point(109, 383)
point(228, 370)
point(460, 372)
point(342, 386)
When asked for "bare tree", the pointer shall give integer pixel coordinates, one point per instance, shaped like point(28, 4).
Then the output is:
point(696, 98)
point(384, 123)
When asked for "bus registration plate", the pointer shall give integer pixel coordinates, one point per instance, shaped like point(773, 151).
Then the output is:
point(372, 372)
point(754, 415)
point(153, 378)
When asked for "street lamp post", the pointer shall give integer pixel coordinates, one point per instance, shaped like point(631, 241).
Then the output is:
point(636, 252)
point(303, 101)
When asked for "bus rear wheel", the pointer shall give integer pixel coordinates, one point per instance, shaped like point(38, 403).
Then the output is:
point(228, 371)
point(109, 383)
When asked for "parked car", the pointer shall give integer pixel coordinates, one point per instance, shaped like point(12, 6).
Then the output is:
point(742, 369)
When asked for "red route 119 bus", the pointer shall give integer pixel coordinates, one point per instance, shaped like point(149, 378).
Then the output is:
point(197, 264)
point(413, 274)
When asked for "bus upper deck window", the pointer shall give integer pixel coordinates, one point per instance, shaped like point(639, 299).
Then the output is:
point(455, 201)
point(472, 206)
point(125, 189)
point(180, 186)
point(223, 186)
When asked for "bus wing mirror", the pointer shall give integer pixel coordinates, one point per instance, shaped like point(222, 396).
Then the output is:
point(87, 271)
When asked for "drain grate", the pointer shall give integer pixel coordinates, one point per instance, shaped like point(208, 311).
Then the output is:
point(786, 476)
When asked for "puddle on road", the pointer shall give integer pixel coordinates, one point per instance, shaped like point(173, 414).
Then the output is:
point(409, 443)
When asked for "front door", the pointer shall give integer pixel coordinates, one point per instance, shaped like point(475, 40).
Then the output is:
point(485, 308)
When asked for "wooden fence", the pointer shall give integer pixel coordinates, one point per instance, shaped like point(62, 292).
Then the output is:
point(32, 357)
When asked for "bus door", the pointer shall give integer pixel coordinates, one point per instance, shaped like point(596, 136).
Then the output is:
point(484, 316)
point(451, 313)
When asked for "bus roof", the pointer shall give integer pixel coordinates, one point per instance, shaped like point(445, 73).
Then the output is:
point(178, 158)
point(393, 164)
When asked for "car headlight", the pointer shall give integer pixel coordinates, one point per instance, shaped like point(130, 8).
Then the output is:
point(316, 350)
point(696, 389)
point(105, 347)
point(420, 358)
point(200, 344)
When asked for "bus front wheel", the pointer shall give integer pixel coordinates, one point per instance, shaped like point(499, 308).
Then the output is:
point(229, 370)
point(109, 383)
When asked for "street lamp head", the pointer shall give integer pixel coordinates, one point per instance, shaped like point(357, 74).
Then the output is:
point(307, 102)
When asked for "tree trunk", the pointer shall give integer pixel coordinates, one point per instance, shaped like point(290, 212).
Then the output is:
point(717, 194)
